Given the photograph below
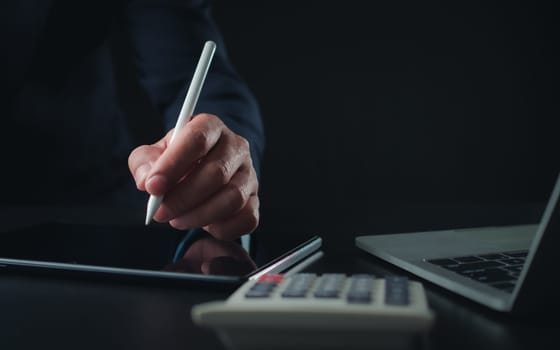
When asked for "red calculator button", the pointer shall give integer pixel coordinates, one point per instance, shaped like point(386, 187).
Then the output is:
point(277, 278)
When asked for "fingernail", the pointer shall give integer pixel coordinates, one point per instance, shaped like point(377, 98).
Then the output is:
point(156, 184)
point(205, 268)
point(141, 174)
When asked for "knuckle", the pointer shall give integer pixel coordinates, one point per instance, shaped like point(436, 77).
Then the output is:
point(209, 116)
point(251, 219)
point(238, 197)
point(255, 213)
point(209, 119)
point(242, 143)
point(200, 140)
point(254, 181)
point(252, 222)
point(220, 170)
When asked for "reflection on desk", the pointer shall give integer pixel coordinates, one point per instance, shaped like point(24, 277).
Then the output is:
point(211, 256)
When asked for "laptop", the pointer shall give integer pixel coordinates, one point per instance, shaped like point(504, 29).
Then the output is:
point(511, 269)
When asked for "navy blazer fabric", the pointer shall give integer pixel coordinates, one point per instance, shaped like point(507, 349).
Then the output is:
point(64, 134)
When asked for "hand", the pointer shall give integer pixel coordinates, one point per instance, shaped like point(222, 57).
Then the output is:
point(206, 175)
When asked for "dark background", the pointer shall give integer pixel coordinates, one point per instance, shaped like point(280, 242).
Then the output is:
point(380, 116)
point(401, 111)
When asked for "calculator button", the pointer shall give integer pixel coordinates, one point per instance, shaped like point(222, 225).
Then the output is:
point(257, 294)
point(361, 282)
point(261, 290)
point(271, 278)
point(299, 285)
point(396, 290)
point(294, 293)
point(330, 286)
point(361, 289)
point(327, 293)
point(359, 298)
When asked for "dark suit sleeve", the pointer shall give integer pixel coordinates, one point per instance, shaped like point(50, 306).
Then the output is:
point(167, 38)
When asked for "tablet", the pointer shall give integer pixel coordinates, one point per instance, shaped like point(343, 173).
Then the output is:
point(148, 254)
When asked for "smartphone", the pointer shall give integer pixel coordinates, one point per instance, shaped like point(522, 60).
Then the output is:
point(146, 253)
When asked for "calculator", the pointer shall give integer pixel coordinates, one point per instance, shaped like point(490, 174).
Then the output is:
point(321, 311)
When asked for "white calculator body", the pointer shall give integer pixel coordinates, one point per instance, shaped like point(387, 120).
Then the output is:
point(320, 311)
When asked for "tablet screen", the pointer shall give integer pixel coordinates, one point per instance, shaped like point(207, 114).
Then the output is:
point(152, 251)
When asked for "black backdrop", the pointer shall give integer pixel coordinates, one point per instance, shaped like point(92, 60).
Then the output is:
point(373, 106)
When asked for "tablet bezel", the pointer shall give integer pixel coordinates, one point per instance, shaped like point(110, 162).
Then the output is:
point(277, 265)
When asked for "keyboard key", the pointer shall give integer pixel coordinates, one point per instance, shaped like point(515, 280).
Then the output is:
point(491, 275)
point(497, 269)
point(443, 262)
point(522, 254)
point(462, 268)
point(515, 268)
point(467, 259)
point(513, 261)
point(492, 256)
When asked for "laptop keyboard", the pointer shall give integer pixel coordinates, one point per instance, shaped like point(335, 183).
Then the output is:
point(499, 270)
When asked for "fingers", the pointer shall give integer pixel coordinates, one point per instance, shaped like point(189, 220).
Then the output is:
point(244, 222)
point(229, 200)
point(191, 143)
point(211, 174)
point(206, 176)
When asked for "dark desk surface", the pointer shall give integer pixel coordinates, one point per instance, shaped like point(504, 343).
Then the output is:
point(61, 313)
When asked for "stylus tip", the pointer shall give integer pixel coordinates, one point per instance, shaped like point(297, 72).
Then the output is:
point(152, 207)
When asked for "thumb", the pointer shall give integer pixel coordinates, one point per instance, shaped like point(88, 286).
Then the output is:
point(140, 163)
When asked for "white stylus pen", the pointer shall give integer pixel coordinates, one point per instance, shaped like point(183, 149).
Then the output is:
point(187, 110)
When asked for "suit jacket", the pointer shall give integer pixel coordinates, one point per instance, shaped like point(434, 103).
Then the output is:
point(68, 115)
